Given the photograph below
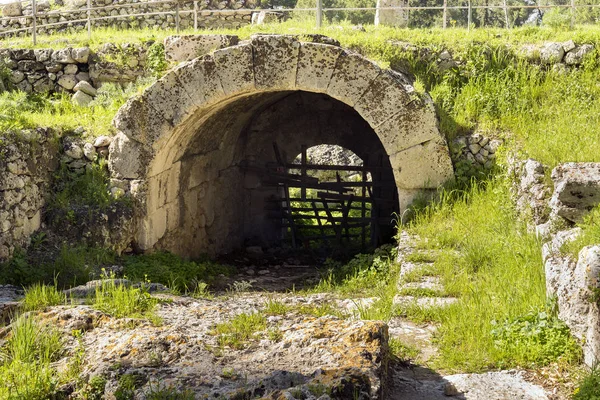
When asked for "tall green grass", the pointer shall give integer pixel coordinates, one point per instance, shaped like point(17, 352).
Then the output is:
point(25, 363)
point(494, 266)
point(39, 296)
point(121, 301)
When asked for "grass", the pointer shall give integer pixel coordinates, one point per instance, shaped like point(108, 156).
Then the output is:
point(20, 110)
point(275, 307)
point(39, 296)
point(494, 266)
point(589, 387)
point(590, 234)
point(240, 330)
point(121, 301)
point(403, 351)
point(25, 360)
point(171, 270)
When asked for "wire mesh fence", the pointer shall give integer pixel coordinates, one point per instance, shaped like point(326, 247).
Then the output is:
point(34, 19)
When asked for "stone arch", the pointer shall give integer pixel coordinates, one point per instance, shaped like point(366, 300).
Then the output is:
point(164, 136)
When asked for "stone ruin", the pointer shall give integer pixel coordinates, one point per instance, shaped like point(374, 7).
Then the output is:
point(180, 144)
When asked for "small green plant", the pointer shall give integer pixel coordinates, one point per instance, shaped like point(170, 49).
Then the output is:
point(25, 360)
point(536, 338)
point(201, 291)
point(159, 392)
point(156, 61)
point(402, 350)
point(275, 307)
point(39, 296)
point(121, 301)
point(590, 234)
point(240, 286)
point(179, 274)
point(241, 329)
point(128, 383)
point(93, 389)
point(274, 335)
point(589, 387)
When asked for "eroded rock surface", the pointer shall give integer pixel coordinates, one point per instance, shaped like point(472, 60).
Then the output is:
point(293, 354)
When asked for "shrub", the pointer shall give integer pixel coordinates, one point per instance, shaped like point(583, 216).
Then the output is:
point(156, 61)
point(557, 18)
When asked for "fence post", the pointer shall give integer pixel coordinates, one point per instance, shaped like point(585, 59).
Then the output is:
point(34, 22)
point(89, 19)
point(469, 16)
point(445, 17)
point(177, 16)
point(319, 13)
point(195, 15)
point(506, 16)
point(572, 14)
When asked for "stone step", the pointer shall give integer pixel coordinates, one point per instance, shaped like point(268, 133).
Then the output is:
point(416, 335)
point(427, 282)
point(427, 302)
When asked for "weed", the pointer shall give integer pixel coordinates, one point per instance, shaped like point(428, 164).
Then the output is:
point(402, 350)
point(274, 335)
point(156, 62)
point(94, 388)
point(121, 301)
point(275, 307)
point(171, 270)
point(25, 360)
point(589, 387)
point(421, 292)
point(39, 296)
point(242, 328)
point(240, 286)
point(420, 257)
point(159, 392)
point(321, 310)
point(201, 291)
point(536, 339)
point(128, 383)
point(590, 234)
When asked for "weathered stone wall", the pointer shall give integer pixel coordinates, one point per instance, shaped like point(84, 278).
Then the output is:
point(71, 70)
point(120, 10)
point(27, 160)
point(575, 282)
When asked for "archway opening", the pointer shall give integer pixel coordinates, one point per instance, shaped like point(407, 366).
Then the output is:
point(236, 178)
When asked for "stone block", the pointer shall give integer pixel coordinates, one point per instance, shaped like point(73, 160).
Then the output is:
point(187, 47)
point(235, 68)
point(352, 77)
point(316, 63)
point(423, 166)
point(275, 61)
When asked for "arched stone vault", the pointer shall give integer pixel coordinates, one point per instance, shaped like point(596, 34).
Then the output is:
point(176, 142)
